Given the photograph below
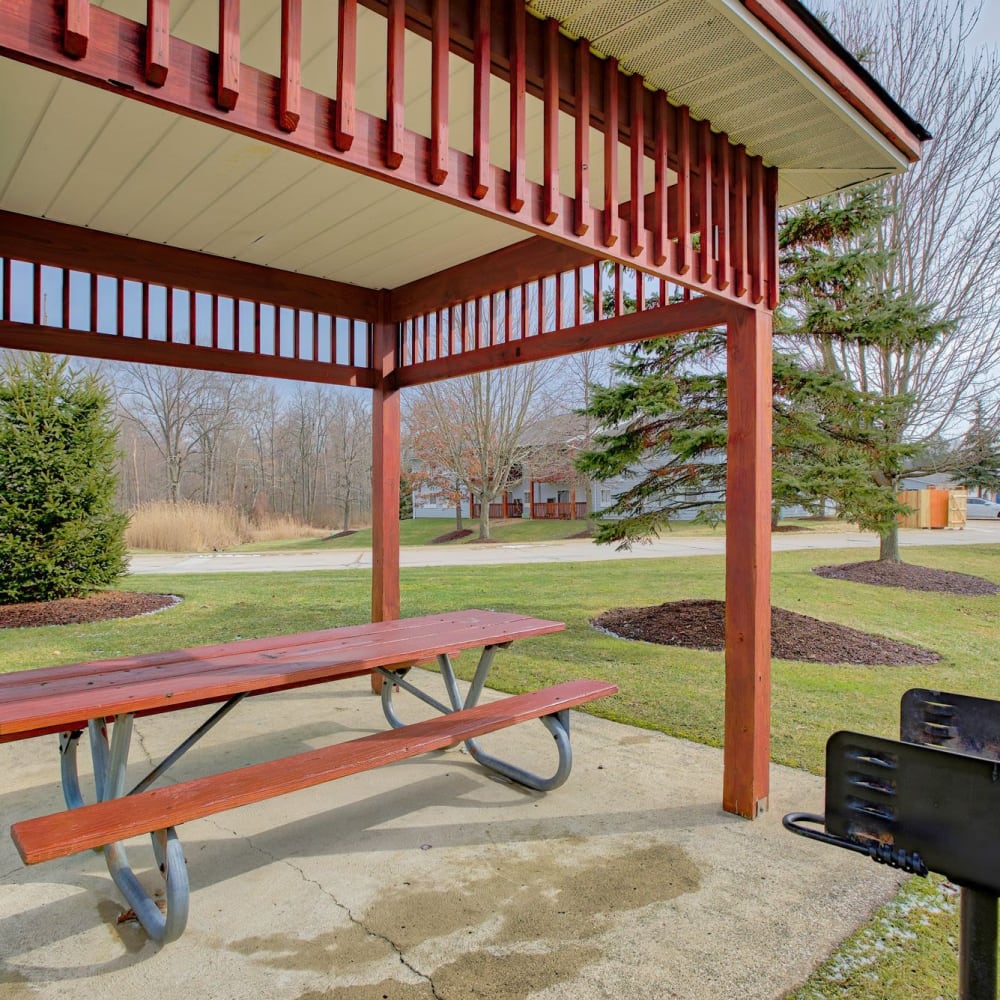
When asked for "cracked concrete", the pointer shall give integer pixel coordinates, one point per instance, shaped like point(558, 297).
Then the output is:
point(431, 881)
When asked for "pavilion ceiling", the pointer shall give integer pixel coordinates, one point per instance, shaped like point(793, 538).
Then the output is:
point(130, 168)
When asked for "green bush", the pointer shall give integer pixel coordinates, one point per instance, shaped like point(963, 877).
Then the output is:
point(59, 533)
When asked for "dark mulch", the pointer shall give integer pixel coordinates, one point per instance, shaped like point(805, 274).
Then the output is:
point(344, 534)
point(582, 534)
point(886, 574)
point(451, 536)
point(789, 527)
point(701, 625)
point(98, 607)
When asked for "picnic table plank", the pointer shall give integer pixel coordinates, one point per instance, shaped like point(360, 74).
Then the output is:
point(47, 699)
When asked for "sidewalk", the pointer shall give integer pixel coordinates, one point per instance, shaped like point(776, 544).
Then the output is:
point(572, 550)
point(429, 879)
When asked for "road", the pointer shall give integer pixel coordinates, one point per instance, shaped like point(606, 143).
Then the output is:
point(572, 550)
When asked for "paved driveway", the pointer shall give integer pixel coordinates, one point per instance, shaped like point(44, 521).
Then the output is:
point(573, 550)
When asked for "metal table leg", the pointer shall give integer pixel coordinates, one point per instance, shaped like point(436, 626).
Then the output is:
point(557, 724)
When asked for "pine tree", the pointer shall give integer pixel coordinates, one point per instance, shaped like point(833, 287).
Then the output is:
point(59, 533)
point(834, 438)
point(843, 321)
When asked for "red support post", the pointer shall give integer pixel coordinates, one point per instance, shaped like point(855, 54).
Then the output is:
point(385, 478)
point(637, 149)
point(748, 564)
point(228, 90)
point(157, 41)
point(612, 224)
point(518, 63)
point(439, 92)
point(550, 125)
point(347, 73)
point(290, 94)
point(76, 31)
point(581, 177)
point(394, 85)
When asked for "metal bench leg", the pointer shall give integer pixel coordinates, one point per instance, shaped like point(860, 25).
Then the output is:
point(168, 924)
point(70, 777)
point(557, 725)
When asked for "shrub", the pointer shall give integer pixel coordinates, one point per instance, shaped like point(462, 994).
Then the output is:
point(197, 527)
point(60, 535)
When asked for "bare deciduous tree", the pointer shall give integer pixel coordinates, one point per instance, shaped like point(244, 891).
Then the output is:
point(471, 428)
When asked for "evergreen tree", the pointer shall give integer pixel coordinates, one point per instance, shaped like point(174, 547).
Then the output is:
point(666, 418)
point(842, 320)
point(59, 533)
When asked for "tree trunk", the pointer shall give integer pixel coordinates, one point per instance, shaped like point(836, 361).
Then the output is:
point(347, 513)
point(484, 520)
point(888, 548)
point(458, 515)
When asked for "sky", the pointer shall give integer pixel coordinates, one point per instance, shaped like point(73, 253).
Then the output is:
point(990, 23)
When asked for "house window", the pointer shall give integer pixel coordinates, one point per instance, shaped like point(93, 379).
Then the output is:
point(606, 500)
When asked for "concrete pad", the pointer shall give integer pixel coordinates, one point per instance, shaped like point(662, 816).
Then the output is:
point(431, 879)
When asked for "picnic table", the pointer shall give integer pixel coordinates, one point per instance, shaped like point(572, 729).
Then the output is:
point(89, 697)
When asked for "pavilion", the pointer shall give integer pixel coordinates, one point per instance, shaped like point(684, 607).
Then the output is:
point(382, 193)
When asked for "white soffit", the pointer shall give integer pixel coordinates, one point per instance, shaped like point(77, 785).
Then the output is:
point(728, 68)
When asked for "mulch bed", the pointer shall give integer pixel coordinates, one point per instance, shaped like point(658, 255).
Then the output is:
point(702, 625)
point(97, 607)
point(886, 574)
point(344, 534)
point(451, 536)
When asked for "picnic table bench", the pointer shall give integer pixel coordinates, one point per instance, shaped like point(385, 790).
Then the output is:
point(85, 697)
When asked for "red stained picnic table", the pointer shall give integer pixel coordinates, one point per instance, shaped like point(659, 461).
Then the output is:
point(85, 697)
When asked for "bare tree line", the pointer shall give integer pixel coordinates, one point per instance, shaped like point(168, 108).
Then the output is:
point(302, 451)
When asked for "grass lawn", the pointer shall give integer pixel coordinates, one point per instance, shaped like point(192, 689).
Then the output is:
point(678, 691)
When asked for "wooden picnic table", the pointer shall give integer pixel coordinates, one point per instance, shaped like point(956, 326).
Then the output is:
point(85, 697)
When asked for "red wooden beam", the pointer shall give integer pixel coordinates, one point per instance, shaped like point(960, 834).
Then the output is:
point(706, 253)
point(76, 31)
point(758, 232)
point(157, 41)
point(611, 128)
point(59, 245)
point(683, 214)
point(637, 149)
point(661, 184)
point(666, 321)
point(347, 73)
point(748, 564)
point(290, 99)
point(228, 89)
point(517, 94)
point(394, 85)
point(741, 220)
point(723, 188)
point(49, 340)
point(581, 177)
point(550, 125)
point(771, 235)
point(481, 102)
point(439, 93)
